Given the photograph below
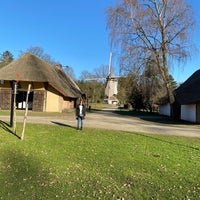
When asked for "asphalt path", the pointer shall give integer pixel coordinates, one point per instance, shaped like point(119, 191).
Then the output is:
point(107, 119)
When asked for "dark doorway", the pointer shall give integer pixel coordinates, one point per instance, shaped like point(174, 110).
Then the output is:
point(21, 100)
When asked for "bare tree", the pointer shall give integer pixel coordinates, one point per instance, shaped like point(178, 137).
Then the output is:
point(161, 29)
point(69, 70)
point(101, 72)
point(86, 75)
point(151, 84)
point(38, 51)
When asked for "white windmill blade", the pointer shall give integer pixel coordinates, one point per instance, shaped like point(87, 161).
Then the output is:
point(110, 65)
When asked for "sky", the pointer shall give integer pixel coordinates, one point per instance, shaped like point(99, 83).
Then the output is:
point(72, 32)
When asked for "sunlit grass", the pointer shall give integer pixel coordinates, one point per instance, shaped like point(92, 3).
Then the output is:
point(41, 114)
point(58, 162)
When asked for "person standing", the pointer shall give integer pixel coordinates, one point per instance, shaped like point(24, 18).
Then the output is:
point(80, 114)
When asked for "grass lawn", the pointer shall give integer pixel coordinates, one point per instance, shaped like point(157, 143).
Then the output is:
point(57, 162)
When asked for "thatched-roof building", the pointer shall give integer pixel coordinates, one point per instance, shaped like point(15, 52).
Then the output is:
point(51, 89)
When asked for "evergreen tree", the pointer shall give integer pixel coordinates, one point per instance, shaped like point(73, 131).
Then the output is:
point(6, 58)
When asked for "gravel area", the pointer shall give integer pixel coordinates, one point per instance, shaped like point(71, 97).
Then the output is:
point(106, 119)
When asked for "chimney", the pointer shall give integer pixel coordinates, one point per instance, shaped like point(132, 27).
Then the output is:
point(59, 67)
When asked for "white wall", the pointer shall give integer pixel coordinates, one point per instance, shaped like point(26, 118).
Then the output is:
point(165, 109)
point(188, 112)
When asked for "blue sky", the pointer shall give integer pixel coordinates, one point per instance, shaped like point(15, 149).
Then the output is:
point(73, 32)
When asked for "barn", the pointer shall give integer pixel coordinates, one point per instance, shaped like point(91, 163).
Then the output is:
point(51, 89)
point(187, 100)
point(188, 97)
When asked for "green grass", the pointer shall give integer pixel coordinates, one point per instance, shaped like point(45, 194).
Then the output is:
point(100, 106)
point(41, 114)
point(57, 162)
point(135, 113)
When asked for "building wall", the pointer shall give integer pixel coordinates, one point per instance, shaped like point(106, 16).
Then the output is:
point(111, 88)
point(165, 109)
point(198, 113)
point(188, 112)
point(39, 97)
point(5, 84)
point(56, 103)
point(5, 99)
point(66, 103)
point(45, 98)
point(52, 102)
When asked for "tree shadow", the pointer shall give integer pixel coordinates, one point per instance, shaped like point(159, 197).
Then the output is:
point(6, 126)
point(166, 141)
point(23, 177)
point(154, 117)
point(165, 120)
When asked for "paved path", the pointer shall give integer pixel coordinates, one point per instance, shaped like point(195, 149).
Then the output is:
point(106, 119)
point(110, 120)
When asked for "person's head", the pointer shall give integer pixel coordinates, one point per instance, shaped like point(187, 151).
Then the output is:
point(81, 101)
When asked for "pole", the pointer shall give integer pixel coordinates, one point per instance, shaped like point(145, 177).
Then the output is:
point(14, 106)
point(26, 111)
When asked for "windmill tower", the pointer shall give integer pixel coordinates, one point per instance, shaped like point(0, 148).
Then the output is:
point(111, 85)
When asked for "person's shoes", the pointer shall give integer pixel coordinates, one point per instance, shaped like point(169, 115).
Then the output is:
point(81, 128)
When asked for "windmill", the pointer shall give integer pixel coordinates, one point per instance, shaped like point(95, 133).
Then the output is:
point(111, 85)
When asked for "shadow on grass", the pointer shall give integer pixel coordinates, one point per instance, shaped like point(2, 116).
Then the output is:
point(166, 141)
point(61, 124)
point(5, 126)
point(167, 120)
point(153, 117)
point(23, 176)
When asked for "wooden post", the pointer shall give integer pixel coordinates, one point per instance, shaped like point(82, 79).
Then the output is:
point(14, 105)
point(26, 111)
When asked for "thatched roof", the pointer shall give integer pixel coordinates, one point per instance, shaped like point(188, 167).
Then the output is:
point(31, 68)
point(189, 91)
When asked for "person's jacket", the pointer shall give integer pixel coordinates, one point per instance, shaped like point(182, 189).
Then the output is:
point(78, 111)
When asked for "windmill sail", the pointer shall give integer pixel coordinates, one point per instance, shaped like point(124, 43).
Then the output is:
point(110, 64)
